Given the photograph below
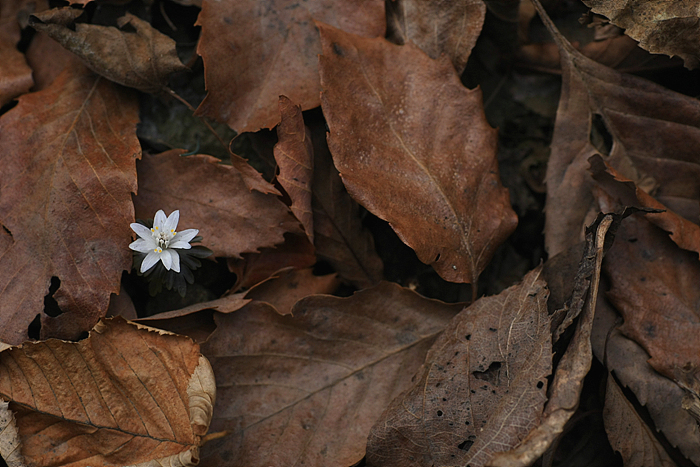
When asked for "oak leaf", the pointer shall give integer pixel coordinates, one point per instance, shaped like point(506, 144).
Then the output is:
point(231, 218)
point(481, 389)
point(413, 146)
point(143, 59)
point(68, 158)
point(253, 54)
point(316, 381)
point(128, 394)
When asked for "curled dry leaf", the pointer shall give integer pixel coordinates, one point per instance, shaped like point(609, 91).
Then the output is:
point(482, 387)
point(231, 218)
point(660, 26)
point(142, 59)
point(254, 52)
point(68, 158)
point(126, 395)
point(294, 154)
point(413, 146)
point(449, 28)
point(655, 134)
point(315, 382)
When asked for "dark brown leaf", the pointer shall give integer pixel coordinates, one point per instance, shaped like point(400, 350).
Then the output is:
point(68, 158)
point(315, 382)
point(482, 387)
point(294, 154)
point(253, 53)
point(48, 59)
point(449, 28)
point(231, 218)
point(413, 146)
point(143, 59)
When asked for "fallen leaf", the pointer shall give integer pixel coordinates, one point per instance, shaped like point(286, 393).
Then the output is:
point(340, 238)
point(413, 147)
point(125, 395)
point(143, 59)
point(481, 389)
point(294, 154)
point(68, 155)
point(47, 59)
point(654, 134)
point(449, 28)
point(661, 27)
point(315, 382)
point(254, 53)
point(231, 218)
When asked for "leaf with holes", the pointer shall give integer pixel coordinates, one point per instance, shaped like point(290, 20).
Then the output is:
point(68, 157)
point(126, 395)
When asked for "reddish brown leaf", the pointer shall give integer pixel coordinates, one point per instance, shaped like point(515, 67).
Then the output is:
point(127, 394)
point(294, 154)
point(67, 155)
point(481, 389)
point(254, 53)
point(142, 59)
point(231, 218)
point(449, 28)
point(413, 146)
point(669, 28)
point(48, 59)
point(654, 131)
point(315, 382)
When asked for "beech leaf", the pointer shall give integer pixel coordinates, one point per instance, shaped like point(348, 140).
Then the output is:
point(68, 158)
point(481, 389)
point(253, 53)
point(128, 394)
point(413, 146)
point(316, 381)
point(143, 59)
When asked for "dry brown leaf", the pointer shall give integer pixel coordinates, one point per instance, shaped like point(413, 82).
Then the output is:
point(67, 155)
point(294, 154)
point(231, 218)
point(143, 59)
point(48, 59)
point(655, 133)
point(482, 387)
point(413, 146)
point(340, 238)
point(660, 26)
point(305, 389)
point(628, 434)
point(449, 28)
point(253, 53)
point(125, 395)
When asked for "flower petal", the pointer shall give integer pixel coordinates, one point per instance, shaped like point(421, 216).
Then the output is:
point(166, 259)
point(180, 245)
point(184, 236)
point(149, 261)
point(141, 230)
point(159, 220)
point(171, 221)
point(143, 245)
point(176, 260)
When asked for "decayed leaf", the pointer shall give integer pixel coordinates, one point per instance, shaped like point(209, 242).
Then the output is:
point(449, 28)
point(254, 52)
point(231, 218)
point(413, 146)
point(482, 387)
point(628, 434)
point(67, 155)
point(48, 59)
point(294, 154)
point(340, 238)
point(660, 26)
point(143, 59)
point(655, 134)
point(305, 389)
point(126, 395)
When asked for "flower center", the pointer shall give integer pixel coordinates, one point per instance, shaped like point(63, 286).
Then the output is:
point(162, 238)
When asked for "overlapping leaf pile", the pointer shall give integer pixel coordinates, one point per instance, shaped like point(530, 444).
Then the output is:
point(324, 348)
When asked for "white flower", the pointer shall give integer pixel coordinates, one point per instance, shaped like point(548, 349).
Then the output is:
point(159, 242)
